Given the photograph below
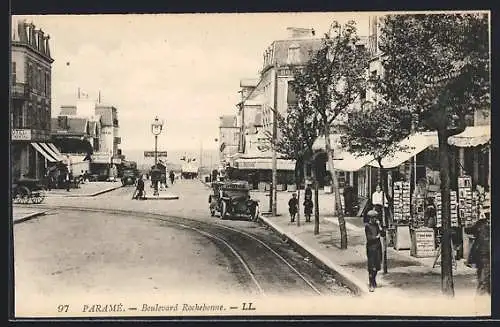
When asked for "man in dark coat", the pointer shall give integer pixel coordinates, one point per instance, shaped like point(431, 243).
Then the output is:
point(139, 189)
point(480, 253)
point(373, 233)
point(348, 199)
point(172, 177)
point(308, 208)
point(293, 205)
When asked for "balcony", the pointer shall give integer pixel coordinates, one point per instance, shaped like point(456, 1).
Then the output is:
point(20, 91)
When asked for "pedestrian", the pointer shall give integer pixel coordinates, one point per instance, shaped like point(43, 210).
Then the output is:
point(308, 208)
point(430, 213)
point(308, 191)
point(348, 199)
point(139, 190)
point(172, 177)
point(379, 201)
point(68, 180)
point(373, 233)
point(480, 252)
point(293, 205)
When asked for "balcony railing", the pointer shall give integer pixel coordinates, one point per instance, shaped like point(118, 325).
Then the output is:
point(20, 90)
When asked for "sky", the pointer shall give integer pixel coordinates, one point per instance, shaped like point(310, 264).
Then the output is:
point(185, 68)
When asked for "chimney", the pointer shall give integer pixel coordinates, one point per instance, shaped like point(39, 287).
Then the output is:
point(33, 36)
point(41, 41)
point(47, 49)
point(300, 33)
point(21, 30)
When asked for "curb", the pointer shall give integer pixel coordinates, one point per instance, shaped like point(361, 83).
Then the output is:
point(169, 197)
point(29, 217)
point(339, 273)
point(88, 195)
point(105, 191)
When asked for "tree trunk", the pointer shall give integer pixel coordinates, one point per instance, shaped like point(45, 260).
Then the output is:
point(382, 175)
point(316, 207)
point(298, 166)
point(338, 204)
point(447, 287)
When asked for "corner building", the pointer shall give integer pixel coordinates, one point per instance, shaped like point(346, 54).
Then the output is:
point(30, 102)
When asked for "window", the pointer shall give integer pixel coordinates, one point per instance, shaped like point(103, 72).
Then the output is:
point(14, 77)
point(293, 53)
point(30, 76)
point(46, 83)
point(39, 80)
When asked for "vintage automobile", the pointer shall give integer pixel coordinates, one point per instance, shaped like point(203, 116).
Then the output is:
point(232, 199)
point(129, 176)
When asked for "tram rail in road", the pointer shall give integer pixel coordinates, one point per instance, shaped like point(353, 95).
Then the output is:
point(266, 270)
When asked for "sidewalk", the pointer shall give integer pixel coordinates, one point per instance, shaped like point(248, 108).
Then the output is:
point(22, 214)
point(407, 275)
point(88, 189)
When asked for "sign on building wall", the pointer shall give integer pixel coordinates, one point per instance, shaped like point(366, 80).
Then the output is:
point(152, 154)
point(21, 134)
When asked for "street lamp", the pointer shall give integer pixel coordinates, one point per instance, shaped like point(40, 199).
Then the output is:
point(156, 128)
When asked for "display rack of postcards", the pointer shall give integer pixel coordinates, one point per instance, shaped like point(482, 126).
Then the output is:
point(397, 191)
point(465, 201)
point(438, 203)
point(454, 209)
point(418, 211)
point(401, 202)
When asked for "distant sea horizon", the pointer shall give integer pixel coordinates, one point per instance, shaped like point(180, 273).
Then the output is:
point(210, 156)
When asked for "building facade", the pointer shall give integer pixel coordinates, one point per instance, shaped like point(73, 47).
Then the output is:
point(101, 133)
point(30, 102)
point(229, 136)
point(272, 92)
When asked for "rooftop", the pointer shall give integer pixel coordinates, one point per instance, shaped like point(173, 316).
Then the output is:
point(26, 34)
point(228, 121)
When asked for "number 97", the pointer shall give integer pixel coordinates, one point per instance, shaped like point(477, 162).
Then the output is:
point(63, 308)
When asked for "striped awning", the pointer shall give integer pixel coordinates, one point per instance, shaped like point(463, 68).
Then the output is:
point(52, 150)
point(43, 149)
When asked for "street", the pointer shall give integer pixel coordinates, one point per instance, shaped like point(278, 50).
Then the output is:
point(167, 247)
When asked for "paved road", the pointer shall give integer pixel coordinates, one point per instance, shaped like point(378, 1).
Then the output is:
point(155, 247)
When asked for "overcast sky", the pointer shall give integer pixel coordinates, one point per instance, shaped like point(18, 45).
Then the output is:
point(183, 68)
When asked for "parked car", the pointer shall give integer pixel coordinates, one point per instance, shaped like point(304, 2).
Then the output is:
point(232, 199)
point(129, 177)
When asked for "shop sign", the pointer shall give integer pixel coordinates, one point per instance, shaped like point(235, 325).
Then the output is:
point(152, 154)
point(100, 158)
point(21, 134)
point(424, 242)
point(247, 164)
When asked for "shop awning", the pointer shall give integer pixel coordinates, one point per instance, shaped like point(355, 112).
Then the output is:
point(43, 152)
point(346, 161)
point(343, 160)
point(412, 145)
point(264, 164)
point(471, 137)
point(56, 151)
point(55, 154)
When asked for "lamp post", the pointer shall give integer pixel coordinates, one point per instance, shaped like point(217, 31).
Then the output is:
point(156, 128)
point(273, 198)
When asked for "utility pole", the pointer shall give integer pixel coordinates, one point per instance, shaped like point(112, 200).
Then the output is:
point(275, 136)
point(242, 129)
point(201, 159)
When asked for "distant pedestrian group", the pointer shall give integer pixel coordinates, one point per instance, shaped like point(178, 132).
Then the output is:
point(293, 205)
